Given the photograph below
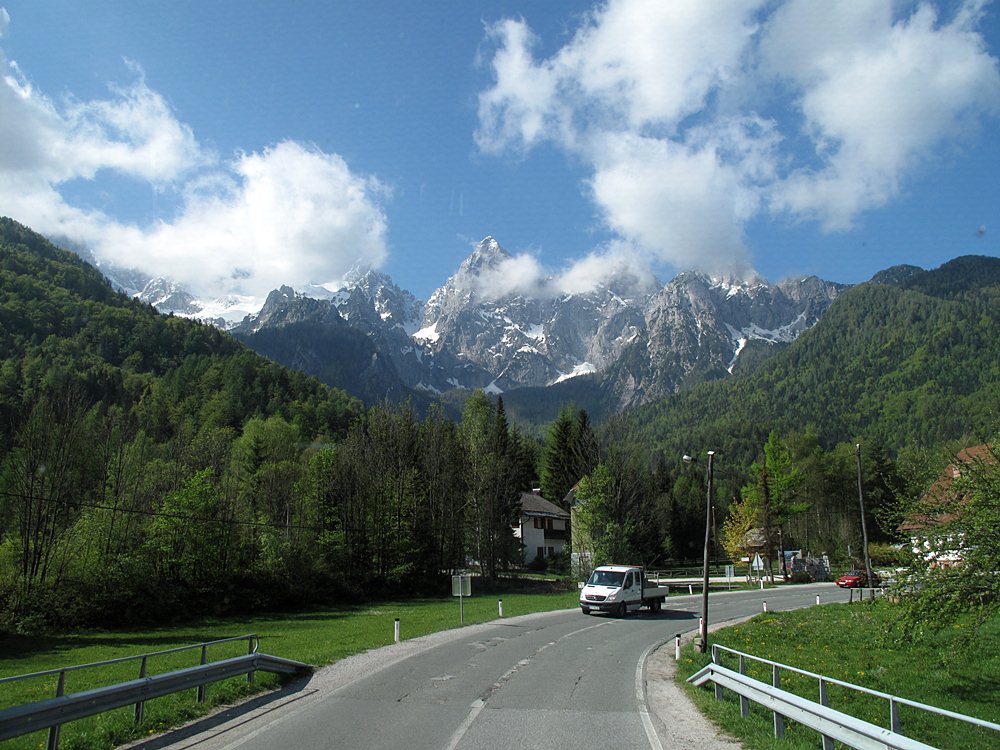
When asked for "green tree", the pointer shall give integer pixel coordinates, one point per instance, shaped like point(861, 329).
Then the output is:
point(963, 518)
point(494, 484)
point(571, 451)
point(773, 494)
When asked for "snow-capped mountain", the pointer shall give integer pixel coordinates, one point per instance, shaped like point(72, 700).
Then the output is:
point(529, 340)
point(700, 328)
point(640, 339)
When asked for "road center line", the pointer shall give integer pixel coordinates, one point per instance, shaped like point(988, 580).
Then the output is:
point(480, 703)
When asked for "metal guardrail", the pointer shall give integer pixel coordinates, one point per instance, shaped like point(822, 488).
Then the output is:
point(831, 724)
point(52, 713)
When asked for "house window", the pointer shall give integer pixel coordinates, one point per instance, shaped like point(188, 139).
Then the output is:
point(552, 551)
point(548, 524)
point(539, 523)
point(541, 552)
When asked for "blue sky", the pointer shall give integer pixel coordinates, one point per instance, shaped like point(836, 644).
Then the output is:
point(237, 146)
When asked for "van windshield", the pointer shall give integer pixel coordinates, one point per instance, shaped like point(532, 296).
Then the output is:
point(607, 578)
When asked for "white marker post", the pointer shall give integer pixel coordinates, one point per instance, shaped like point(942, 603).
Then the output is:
point(677, 647)
point(396, 631)
point(500, 605)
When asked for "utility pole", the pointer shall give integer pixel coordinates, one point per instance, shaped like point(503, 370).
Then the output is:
point(704, 581)
point(864, 524)
point(702, 641)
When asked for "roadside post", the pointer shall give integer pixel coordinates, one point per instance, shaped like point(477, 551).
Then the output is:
point(730, 572)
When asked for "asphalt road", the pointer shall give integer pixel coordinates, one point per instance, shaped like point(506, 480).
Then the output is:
point(555, 680)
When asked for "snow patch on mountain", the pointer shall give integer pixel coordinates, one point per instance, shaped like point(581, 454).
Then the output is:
point(584, 368)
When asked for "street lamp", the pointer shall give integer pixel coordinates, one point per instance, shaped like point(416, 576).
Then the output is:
point(703, 641)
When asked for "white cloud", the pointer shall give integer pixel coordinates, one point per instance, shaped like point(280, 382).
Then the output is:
point(876, 99)
point(619, 263)
point(516, 274)
point(695, 118)
point(288, 214)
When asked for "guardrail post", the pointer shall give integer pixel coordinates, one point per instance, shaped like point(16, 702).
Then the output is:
point(744, 701)
point(140, 707)
point(779, 720)
point(894, 721)
point(715, 660)
point(251, 649)
point(204, 660)
point(824, 700)
point(53, 742)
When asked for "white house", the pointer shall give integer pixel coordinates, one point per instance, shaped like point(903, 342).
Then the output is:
point(542, 527)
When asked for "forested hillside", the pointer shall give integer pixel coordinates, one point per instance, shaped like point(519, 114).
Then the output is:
point(913, 363)
point(118, 431)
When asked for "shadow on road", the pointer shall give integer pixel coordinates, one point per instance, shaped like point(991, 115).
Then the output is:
point(253, 710)
point(666, 615)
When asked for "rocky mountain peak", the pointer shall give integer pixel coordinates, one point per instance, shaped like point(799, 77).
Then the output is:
point(169, 297)
point(487, 254)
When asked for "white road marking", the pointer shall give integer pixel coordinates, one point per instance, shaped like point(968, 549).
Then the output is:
point(640, 695)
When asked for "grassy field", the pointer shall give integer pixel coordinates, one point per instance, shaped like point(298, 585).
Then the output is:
point(317, 638)
point(863, 644)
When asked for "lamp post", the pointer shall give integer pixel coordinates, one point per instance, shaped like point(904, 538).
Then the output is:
point(703, 636)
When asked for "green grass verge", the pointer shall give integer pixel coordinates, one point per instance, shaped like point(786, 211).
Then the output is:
point(317, 638)
point(866, 645)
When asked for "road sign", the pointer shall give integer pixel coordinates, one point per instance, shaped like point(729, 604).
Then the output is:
point(757, 564)
point(461, 585)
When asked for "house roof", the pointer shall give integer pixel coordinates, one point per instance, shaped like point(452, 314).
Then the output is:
point(536, 505)
point(941, 503)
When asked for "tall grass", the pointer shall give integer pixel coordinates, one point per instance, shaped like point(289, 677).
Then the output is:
point(866, 645)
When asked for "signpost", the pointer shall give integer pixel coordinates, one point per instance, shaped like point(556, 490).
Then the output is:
point(461, 586)
point(758, 565)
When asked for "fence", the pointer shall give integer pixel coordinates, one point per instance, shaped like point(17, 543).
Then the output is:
point(52, 713)
point(832, 725)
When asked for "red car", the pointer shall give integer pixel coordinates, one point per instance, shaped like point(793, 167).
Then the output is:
point(854, 579)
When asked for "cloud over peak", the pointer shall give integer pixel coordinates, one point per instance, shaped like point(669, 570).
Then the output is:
point(695, 118)
point(288, 213)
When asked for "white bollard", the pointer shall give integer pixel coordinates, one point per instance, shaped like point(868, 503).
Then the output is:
point(817, 598)
point(677, 647)
point(500, 605)
point(765, 605)
point(396, 634)
point(761, 584)
point(690, 588)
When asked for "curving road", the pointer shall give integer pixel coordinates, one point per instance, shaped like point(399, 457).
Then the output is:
point(556, 680)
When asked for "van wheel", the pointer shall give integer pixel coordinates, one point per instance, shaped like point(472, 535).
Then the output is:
point(654, 606)
point(622, 610)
